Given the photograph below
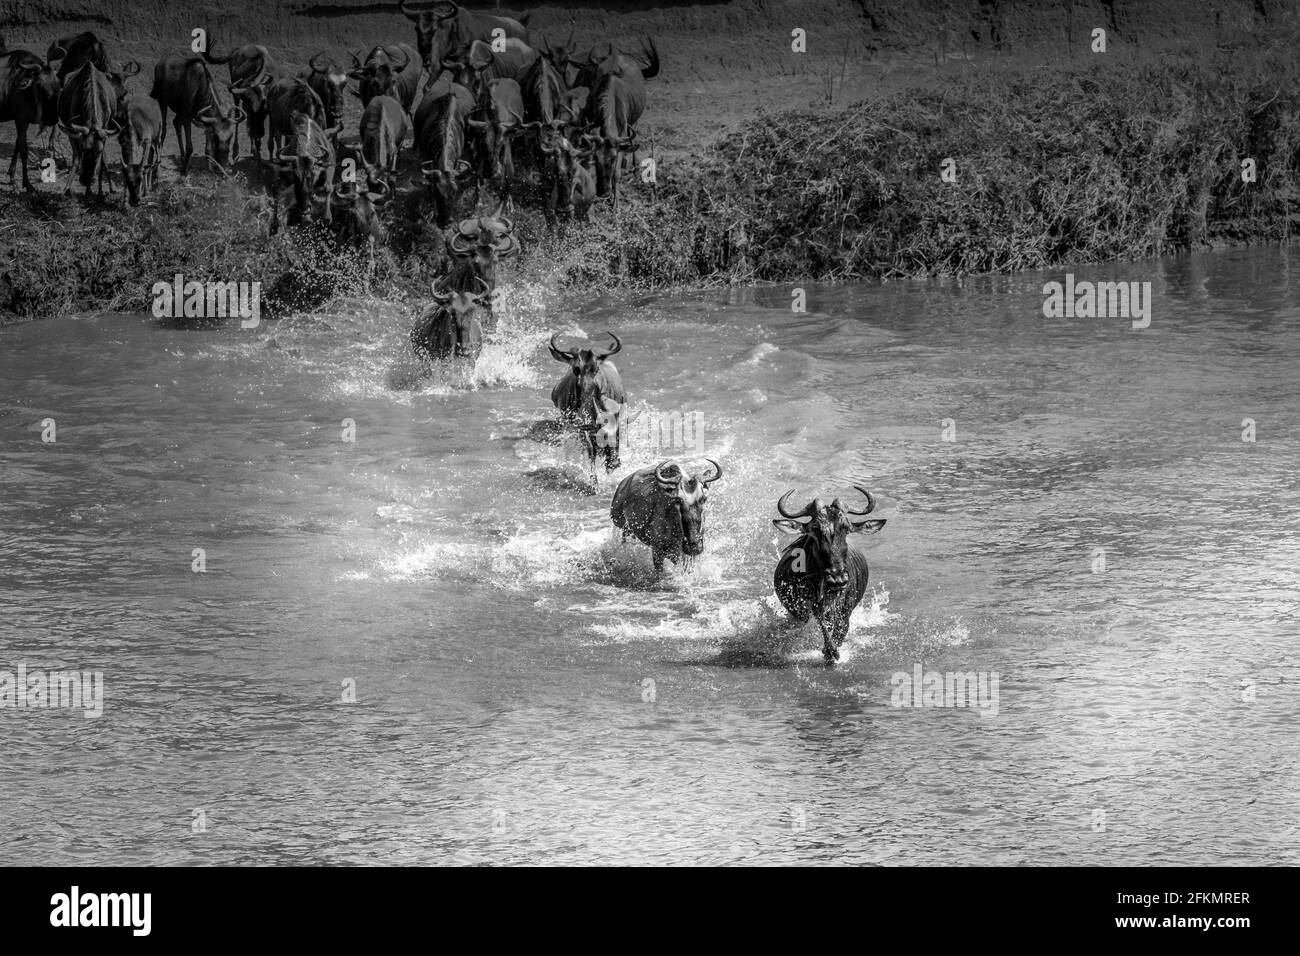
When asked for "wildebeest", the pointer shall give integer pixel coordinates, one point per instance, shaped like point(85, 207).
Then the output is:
point(569, 187)
point(141, 144)
point(328, 79)
point(502, 109)
point(614, 104)
point(384, 128)
point(477, 248)
point(818, 573)
point(388, 71)
point(186, 86)
point(588, 387)
point(252, 72)
point(287, 97)
point(451, 327)
point(306, 163)
point(29, 93)
point(445, 29)
point(663, 507)
point(440, 138)
point(355, 208)
point(88, 106)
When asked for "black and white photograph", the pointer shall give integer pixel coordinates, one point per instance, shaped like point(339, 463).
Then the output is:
point(598, 433)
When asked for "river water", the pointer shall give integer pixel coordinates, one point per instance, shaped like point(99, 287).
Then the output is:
point(1070, 506)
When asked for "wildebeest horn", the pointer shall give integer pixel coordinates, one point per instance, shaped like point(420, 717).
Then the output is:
point(484, 283)
point(871, 503)
point(356, 63)
point(429, 167)
point(401, 6)
point(460, 246)
point(780, 507)
point(500, 214)
point(237, 115)
point(468, 228)
point(717, 468)
point(618, 346)
point(406, 58)
point(558, 353)
point(250, 84)
point(506, 246)
point(130, 68)
point(665, 482)
point(312, 63)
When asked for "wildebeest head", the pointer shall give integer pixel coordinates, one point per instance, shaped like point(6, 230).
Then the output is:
point(30, 75)
point(684, 497)
point(328, 79)
point(359, 204)
point(560, 55)
point(585, 364)
point(824, 531)
point(428, 24)
point(486, 240)
point(467, 68)
point(576, 184)
point(452, 329)
point(378, 75)
point(220, 127)
point(253, 93)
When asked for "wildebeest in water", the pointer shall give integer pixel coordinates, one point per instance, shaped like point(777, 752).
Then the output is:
point(818, 574)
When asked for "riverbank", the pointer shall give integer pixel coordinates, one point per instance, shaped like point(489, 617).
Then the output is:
point(1109, 156)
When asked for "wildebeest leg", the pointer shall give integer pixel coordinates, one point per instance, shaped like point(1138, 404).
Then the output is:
point(162, 131)
point(830, 647)
point(657, 558)
point(76, 165)
point(20, 152)
point(104, 173)
point(187, 146)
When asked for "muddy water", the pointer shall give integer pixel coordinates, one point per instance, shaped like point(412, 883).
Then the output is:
point(1097, 535)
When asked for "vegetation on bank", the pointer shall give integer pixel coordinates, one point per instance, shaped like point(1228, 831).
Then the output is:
point(1052, 167)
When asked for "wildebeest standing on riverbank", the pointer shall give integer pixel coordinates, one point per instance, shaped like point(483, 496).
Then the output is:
point(252, 71)
point(141, 144)
point(88, 108)
point(185, 85)
point(819, 574)
point(29, 93)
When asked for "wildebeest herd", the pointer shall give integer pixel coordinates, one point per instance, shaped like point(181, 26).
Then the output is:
point(477, 92)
